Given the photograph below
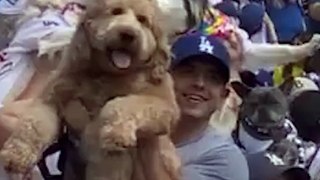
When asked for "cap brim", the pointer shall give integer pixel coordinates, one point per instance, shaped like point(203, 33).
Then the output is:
point(222, 66)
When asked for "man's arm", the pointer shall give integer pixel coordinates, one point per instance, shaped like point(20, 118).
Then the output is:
point(257, 56)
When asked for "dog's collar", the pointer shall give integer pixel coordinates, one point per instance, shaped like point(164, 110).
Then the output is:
point(262, 133)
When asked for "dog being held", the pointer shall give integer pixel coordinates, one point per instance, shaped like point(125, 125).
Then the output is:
point(113, 89)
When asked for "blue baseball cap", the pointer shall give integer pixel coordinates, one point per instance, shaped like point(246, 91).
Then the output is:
point(228, 8)
point(264, 78)
point(196, 43)
point(251, 18)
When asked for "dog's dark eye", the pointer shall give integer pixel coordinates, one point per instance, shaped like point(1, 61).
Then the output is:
point(117, 11)
point(142, 19)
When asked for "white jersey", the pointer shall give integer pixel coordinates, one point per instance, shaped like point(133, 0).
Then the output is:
point(16, 66)
point(11, 7)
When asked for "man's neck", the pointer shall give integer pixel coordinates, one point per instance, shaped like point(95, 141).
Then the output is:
point(187, 128)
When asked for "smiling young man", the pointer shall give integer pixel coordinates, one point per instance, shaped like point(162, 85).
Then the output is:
point(200, 70)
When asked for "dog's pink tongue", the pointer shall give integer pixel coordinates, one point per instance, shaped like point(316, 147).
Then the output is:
point(121, 60)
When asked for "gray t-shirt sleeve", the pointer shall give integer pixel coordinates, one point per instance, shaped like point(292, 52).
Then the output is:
point(191, 173)
point(223, 163)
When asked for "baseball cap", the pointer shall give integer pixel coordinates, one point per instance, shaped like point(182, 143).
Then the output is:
point(196, 43)
point(259, 78)
point(302, 84)
point(228, 8)
point(251, 18)
point(248, 78)
point(264, 77)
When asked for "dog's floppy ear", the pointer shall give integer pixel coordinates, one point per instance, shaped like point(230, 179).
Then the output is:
point(241, 89)
point(161, 58)
point(77, 54)
point(79, 50)
point(160, 62)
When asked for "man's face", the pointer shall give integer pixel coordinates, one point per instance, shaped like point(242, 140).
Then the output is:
point(199, 88)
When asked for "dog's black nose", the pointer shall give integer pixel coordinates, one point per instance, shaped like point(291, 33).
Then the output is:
point(127, 37)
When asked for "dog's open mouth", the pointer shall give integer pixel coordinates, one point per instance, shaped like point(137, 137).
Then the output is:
point(121, 59)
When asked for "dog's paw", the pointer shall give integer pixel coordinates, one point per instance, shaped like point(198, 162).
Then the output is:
point(118, 137)
point(18, 157)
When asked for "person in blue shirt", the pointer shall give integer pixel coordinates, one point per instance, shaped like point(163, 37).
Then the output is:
point(287, 17)
point(200, 69)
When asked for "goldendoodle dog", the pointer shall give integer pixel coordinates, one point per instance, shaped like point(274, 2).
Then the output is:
point(112, 90)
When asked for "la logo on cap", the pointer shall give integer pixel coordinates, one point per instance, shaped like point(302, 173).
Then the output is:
point(205, 45)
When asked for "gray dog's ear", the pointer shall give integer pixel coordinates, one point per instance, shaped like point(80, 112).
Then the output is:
point(241, 89)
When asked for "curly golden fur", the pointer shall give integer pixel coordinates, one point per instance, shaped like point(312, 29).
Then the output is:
point(106, 105)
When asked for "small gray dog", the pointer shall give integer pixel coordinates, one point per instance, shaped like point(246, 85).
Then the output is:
point(263, 111)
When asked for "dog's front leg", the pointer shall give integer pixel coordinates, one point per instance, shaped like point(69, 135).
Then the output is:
point(125, 118)
point(37, 128)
